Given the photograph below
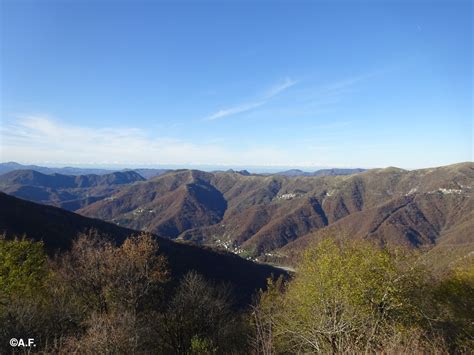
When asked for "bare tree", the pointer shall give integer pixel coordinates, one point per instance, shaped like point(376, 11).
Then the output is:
point(103, 275)
point(199, 314)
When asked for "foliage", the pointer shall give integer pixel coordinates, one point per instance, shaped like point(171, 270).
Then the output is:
point(23, 268)
point(349, 297)
point(34, 304)
point(201, 346)
point(454, 295)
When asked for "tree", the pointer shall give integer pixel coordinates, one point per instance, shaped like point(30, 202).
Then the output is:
point(23, 269)
point(29, 302)
point(347, 296)
point(262, 317)
point(111, 333)
point(199, 316)
point(136, 272)
point(105, 276)
point(116, 287)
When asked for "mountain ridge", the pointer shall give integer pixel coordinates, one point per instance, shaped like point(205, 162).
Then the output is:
point(67, 191)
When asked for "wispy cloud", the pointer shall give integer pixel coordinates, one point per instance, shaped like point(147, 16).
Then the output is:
point(279, 87)
point(248, 106)
point(43, 140)
point(235, 110)
point(315, 98)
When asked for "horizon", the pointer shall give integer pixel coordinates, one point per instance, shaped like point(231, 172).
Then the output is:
point(213, 168)
point(208, 168)
point(298, 85)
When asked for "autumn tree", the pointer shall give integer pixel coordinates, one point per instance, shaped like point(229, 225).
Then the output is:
point(346, 297)
point(116, 287)
point(103, 275)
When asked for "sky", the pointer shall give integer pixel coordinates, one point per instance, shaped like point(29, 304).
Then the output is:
point(237, 83)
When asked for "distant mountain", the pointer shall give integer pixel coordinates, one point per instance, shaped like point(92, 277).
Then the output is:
point(241, 172)
point(57, 228)
point(35, 178)
point(10, 166)
point(322, 172)
point(149, 173)
point(67, 191)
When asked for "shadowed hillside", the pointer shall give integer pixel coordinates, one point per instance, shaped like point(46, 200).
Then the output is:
point(57, 228)
point(65, 191)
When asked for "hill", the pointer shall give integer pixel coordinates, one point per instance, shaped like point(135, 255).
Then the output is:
point(57, 228)
point(66, 191)
point(149, 173)
point(10, 166)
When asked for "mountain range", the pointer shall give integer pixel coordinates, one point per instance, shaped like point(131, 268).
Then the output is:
point(65, 191)
point(11, 166)
point(152, 172)
point(321, 172)
point(272, 217)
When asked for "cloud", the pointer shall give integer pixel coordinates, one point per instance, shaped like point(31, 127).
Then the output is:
point(245, 107)
point(280, 87)
point(43, 140)
point(234, 110)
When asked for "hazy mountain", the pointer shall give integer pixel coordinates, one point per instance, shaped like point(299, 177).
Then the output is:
point(321, 172)
point(57, 228)
point(241, 172)
point(149, 173)
point(10, 166)
point(66, 191)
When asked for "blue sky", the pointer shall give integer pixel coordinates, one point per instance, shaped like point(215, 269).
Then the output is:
point(237, 83)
